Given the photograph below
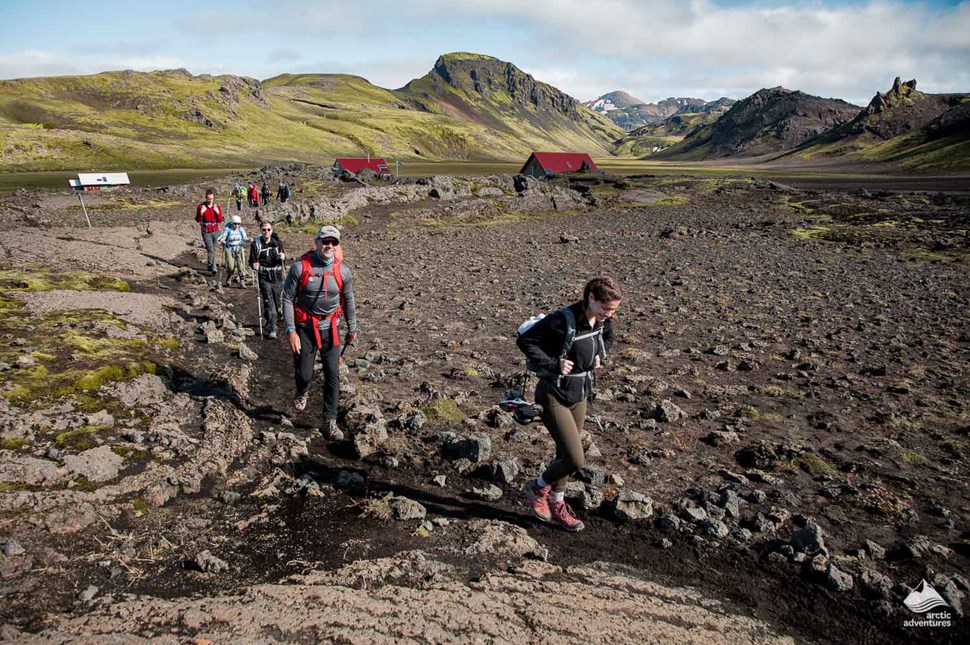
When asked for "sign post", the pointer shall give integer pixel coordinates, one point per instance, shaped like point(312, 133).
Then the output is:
point(89, 181)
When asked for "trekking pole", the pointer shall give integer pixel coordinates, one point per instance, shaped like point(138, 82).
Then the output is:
point(259, 303)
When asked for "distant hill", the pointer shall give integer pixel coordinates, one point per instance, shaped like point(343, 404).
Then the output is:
point(630, 113)
point(467, 107)
point(651, 139)
point(769, 121)
point(902, 126)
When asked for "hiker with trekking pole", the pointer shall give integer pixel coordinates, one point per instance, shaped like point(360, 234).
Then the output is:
point(266, 258)
point(233, 240)
point(565, 348)
point(209, 216)
point(318, 291)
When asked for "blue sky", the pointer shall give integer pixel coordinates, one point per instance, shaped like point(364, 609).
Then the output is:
point(650, 48)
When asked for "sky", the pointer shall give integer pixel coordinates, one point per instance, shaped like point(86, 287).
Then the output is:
point(653, 49)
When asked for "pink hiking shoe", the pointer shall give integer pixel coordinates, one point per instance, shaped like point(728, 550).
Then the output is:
point(564, 516)
point(538, 500)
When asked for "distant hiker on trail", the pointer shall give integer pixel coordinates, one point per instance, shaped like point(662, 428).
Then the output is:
point(265, 194)
point(565, 347)
point(266, 258)
point(318, 290)
point(234, 240)
point(283, 192)
point(239, 194)
point(253, 195)
point(209, 216)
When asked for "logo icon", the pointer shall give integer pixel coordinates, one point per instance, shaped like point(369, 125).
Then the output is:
point(924, 598)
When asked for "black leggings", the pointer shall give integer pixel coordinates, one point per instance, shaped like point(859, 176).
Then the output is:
point(303, 366)
point(564, 423)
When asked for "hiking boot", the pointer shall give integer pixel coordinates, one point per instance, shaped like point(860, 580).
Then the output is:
point(272, 335)
point(564, 516)
point(538, 500)
point(301, 400)
point(331, 432)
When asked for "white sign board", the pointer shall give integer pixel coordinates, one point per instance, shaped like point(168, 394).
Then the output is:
point(85, 179)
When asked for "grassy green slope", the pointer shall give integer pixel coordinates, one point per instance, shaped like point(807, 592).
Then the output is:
point(173, 119)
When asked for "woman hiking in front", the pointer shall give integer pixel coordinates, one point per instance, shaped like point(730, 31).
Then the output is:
point(564, 348)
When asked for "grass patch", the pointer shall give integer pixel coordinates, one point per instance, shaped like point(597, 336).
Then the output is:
point(811, 232)
point(911, 456)
point(131, 453)
point(14, 443)
point(747, 412)
point(15, 487)
point(40, 278)
point(80, 439)
point(673, 200)
point(443, 410)
point(810, 463)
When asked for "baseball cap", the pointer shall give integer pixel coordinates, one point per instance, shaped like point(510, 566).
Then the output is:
point(328, 231)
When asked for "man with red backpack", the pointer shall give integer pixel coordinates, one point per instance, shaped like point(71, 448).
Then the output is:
point(317, 292)
point(209, 216)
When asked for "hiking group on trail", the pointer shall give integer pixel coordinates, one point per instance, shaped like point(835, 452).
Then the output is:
point(564, 348)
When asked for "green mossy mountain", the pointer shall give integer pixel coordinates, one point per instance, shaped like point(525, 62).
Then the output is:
point(468, 107)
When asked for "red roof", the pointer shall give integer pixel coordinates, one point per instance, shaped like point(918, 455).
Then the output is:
point(562, 161)
point(356, 164)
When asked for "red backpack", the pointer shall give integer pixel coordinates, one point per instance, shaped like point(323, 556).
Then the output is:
point(301, 316)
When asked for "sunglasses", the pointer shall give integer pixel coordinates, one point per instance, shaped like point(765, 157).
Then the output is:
point(267, 229)
point(330, 241)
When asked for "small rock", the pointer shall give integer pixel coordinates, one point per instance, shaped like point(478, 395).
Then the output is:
point(440, 480)
point(88, 594)
point(669, 521)
point(875, 551)
point(694, 514)
point(630, 505)
point(721, 438)
point(210, 563)
point(346, 480)
point(838, 580)
point(809, 540)
point(668, 412)
point(407, 509)
point(489, 493)
point(13, 548)
point(247, 354)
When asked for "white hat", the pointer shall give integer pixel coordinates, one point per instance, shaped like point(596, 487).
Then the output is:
point(236, 219)
point(328, 231)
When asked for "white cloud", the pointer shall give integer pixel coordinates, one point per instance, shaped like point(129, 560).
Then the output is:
point(850, 50)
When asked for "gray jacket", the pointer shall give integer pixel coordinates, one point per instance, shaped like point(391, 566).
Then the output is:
point(316, 299)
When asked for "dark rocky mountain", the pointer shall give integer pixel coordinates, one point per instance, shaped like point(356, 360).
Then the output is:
point(901, 125)
point(769, 121)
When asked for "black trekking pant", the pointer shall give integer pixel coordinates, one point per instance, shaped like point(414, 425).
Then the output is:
point(303, 366)
point(272, 293)
point(565, 424)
